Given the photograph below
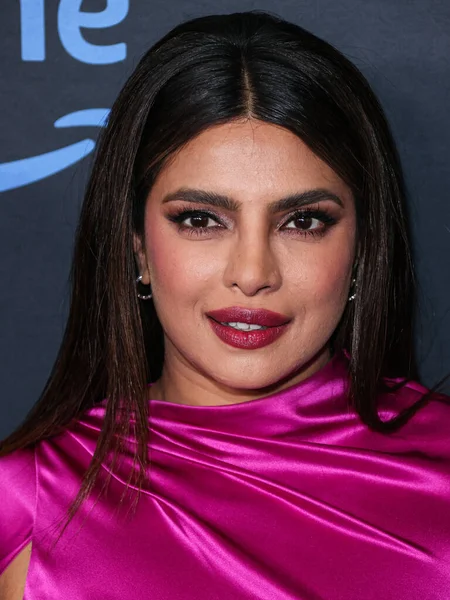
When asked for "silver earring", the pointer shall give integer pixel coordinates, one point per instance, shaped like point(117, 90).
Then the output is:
point(142, 296)
point(353, 287)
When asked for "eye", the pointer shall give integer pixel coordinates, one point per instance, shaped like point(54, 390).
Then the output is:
point(304, 222)
point(309, 222)
point(198, 221)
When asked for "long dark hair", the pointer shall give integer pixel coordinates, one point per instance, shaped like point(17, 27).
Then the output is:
point(205, 72)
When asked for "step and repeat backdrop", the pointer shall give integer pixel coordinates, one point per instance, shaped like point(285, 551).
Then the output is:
point(62, 64)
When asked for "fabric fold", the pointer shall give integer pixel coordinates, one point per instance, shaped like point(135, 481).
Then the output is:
point(285, 497)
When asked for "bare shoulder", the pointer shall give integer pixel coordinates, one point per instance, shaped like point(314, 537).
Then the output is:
point(12, 580)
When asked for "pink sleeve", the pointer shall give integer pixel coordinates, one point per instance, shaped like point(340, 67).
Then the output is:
point(17, 503)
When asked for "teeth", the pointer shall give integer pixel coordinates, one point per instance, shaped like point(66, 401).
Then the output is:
point(244, 326)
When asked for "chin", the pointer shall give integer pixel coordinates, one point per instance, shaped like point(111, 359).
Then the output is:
point(269, 375)
point(247, 380)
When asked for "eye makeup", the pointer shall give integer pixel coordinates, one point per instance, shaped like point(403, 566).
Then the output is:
point(306, 222)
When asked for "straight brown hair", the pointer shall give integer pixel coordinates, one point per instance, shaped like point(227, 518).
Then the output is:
point(205, 72)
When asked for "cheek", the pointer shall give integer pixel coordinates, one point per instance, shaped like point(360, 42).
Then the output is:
point(335, 264)
point(177, 269)
point(332, 279)
point(321, 276)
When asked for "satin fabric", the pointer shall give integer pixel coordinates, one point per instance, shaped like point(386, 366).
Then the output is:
point(284, 497)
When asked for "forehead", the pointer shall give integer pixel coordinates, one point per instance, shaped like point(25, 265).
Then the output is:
point(247, 160)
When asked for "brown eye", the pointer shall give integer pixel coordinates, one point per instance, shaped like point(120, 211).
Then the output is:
point(199, 221)
point(194, 221)
point(304, 222)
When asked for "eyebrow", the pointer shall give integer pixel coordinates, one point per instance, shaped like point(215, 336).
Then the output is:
point(293, 201)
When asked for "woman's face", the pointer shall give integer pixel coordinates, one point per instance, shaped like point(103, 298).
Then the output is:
point(246, 216)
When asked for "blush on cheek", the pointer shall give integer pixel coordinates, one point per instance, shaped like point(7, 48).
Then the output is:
point(330, 284)
point(159, 252)
point(178, 267)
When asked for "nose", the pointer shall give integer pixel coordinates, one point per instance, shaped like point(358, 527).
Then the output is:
point(252, 265)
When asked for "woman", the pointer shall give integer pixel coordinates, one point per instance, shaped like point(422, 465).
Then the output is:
point(243, 246)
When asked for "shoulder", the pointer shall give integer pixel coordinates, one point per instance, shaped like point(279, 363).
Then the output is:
point(430, 426)
point(402, 396)
point(18, 503)
point(37, 485)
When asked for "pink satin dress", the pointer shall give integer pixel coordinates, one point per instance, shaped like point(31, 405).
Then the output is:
point(287, 497)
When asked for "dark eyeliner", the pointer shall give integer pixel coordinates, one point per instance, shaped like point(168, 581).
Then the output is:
point(324, 217)
point(321, 215)
point(179, 217)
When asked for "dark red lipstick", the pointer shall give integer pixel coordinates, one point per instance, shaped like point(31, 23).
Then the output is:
point(274, 325)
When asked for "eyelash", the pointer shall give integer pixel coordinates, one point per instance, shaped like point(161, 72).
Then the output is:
point(321, 215)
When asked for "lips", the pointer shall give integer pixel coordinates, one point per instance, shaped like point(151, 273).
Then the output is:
point(255, 316)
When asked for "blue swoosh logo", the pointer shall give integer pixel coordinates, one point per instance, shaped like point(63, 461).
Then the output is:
point(22, 172)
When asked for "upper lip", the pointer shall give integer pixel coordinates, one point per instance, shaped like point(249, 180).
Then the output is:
point(255, 316)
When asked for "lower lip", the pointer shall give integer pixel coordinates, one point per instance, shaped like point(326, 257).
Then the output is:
point(250, 340)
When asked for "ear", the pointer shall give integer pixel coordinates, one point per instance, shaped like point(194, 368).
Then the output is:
point(141, 258)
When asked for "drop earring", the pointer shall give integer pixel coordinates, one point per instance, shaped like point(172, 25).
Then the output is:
point(143, 296)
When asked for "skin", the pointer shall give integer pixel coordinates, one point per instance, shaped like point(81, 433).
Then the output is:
point(254, 259)
point(12, 580)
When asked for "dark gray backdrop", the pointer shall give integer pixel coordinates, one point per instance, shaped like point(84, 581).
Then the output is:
point(59, 57)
